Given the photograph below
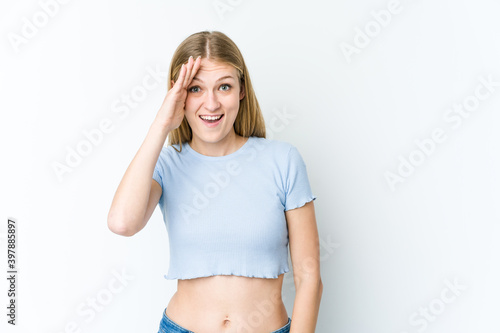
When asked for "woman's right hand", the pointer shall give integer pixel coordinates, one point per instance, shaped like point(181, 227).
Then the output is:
point(172, 110)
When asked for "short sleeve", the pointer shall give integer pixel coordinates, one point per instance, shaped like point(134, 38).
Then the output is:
point(297, 188)
point(157, 175)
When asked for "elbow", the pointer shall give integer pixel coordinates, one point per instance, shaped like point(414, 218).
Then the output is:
point(320, 291)
point(319, 285)
point(120, 226)
point(122, 231)
point(311, 282)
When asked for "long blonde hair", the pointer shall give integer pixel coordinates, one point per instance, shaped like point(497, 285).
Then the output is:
point(216, 46)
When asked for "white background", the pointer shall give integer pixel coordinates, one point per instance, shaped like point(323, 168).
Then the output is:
point(386, 251)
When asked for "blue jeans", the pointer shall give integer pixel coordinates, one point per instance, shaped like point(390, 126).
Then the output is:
point(167, 325)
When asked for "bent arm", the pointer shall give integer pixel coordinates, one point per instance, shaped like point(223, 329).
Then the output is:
point(137, 193)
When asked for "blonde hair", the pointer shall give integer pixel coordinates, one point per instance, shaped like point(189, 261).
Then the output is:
point(216, 46)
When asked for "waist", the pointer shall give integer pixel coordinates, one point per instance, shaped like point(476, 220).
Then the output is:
point(228, 303)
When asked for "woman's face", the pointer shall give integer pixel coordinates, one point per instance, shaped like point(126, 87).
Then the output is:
point(214, 91)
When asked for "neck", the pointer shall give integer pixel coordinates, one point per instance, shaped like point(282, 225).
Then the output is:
point(231, 143)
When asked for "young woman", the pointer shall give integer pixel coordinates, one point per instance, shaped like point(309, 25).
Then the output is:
point(232, 201)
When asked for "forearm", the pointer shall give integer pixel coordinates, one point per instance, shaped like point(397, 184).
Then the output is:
point(306, 306)
point(129, 204)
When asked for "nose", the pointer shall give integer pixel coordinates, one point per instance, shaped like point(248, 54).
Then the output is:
point(211, 103)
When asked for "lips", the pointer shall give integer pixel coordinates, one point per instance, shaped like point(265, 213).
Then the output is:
point(209, 117)
point(211, 123)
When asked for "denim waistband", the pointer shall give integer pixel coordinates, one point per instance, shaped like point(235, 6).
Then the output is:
point(167, 325)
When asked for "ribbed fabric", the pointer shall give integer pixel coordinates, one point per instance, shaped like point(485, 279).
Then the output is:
point(225, 215)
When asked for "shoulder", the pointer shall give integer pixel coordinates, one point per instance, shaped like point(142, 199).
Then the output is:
point(287, 154)
point(280, 153)
point(170, 152)
point(276, 147)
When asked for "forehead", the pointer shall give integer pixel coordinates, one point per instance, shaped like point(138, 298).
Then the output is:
point(209, 68)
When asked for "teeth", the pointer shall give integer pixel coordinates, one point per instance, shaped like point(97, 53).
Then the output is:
point(210, 117)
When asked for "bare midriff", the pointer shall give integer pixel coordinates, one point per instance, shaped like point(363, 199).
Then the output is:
point(228, 304)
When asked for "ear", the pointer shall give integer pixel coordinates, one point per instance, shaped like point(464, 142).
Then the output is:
point(242, 90)
point(172, 83)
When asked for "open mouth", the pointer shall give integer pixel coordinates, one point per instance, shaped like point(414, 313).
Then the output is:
point(212, 120)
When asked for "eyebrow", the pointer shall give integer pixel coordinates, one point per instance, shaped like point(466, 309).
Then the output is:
point(220, 79)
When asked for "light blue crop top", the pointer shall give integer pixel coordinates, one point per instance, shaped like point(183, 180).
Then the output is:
point(225, 215)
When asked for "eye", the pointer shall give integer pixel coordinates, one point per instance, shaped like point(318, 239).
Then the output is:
point(191, 89)
point(228, 86)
